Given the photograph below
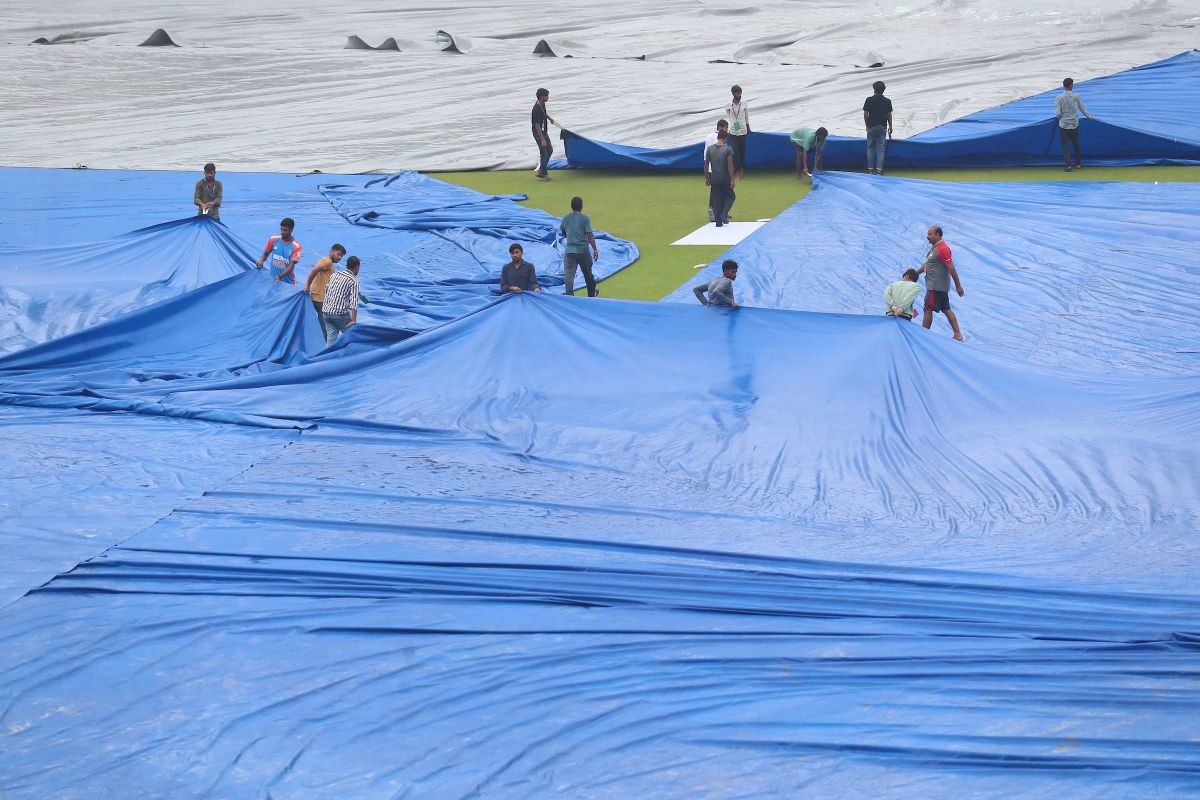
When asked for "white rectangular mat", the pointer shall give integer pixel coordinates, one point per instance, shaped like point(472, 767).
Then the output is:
point(732, 233)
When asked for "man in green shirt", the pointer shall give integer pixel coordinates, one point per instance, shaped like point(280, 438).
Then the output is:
point(806, 141)
point(576, 228)
point(899, 296)
point(207, 198)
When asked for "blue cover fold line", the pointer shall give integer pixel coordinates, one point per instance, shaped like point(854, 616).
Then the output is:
point(1143, 115)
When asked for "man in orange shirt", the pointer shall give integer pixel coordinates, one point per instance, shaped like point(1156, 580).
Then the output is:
point(318, 278)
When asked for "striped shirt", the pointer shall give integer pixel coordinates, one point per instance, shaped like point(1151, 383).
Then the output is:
point(341, 294)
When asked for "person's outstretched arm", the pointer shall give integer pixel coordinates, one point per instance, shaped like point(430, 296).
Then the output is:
point(595, 248)
point(699, 292)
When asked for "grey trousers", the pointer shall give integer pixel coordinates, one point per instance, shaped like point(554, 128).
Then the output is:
point(572, 261)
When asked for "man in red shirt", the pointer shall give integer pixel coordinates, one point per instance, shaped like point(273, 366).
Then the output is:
point(939, 269)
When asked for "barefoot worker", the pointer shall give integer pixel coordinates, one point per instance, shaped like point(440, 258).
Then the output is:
point(939, 269)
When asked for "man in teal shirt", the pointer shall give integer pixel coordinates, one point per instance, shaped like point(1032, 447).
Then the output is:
point(576, 228)
point(806, 141)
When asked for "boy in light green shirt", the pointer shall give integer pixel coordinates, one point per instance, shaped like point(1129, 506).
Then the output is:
point(900, 295)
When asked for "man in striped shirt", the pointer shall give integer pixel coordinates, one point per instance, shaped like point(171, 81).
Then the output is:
point(340, 309)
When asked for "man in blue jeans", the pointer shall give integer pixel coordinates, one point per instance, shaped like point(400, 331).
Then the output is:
point(340, 309)
point(877, 116)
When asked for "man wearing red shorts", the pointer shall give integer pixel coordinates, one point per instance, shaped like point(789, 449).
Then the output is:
point(939, 269)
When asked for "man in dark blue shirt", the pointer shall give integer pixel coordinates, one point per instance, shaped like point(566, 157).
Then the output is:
point(518, 275)
point(877, 117)
point(541, 133)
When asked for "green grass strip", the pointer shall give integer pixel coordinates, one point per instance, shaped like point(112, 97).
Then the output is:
point(655, 209)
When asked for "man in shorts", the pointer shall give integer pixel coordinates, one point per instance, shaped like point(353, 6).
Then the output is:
point(939, 269)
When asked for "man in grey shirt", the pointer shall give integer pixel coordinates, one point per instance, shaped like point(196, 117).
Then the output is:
point(576, 228)
point(1067, 107)
point(719, 290)
point(719, 177)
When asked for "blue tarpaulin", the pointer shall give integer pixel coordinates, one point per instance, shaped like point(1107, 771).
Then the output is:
point(1098, 276)
point(569, 547)
point(1145, 115)
point(431, 251)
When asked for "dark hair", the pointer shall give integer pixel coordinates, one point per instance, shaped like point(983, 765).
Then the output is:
point(543, 93)
point(735, 89)
point(352, 261)
point(822, 133)
point(910, 273)
point(878, 86)
point(287, 222)
point(728, 263)
point(722, 123)
point(577, 204)
point(339, 248)
point(210, 167)
point(938, 229)
point(1068, 83)
point(515, 246)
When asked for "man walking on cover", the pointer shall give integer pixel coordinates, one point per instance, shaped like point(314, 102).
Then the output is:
point(939, 269)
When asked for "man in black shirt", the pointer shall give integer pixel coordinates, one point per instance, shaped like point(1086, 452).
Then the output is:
point(877, 116)
point(518, 275)
point(541, 133)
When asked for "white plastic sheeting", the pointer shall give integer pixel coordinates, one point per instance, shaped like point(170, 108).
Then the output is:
point(272, 86)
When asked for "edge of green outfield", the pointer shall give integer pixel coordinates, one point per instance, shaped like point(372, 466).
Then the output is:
point(654, 209)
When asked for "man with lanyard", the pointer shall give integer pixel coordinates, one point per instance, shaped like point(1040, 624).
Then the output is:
point(340, 309)
point(737, 114)
point(541, 133)
point(208, 193)
point(284, 252)
point(938, 269)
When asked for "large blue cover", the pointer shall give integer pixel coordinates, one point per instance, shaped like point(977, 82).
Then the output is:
point(1146, 115)
point(1100, 276)
point(698, 552)
point(567, 547)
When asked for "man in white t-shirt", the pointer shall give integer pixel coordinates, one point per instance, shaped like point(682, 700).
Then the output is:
point(737, 114)
point(709, 141)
